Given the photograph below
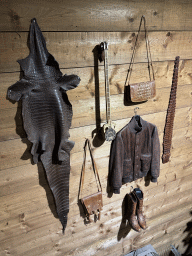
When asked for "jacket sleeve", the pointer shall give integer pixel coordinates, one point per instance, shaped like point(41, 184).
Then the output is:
point(116, 164)
point(155, 164)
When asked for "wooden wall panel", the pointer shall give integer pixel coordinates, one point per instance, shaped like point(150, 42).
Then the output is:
point(117, 76)
point(84, 112)
point(76, 49)
point(11, 150)
point(28, 219)
point(28, 187)
point(90, 15)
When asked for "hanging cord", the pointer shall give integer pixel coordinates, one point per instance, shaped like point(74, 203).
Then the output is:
point(87, 144)
point(149, 59)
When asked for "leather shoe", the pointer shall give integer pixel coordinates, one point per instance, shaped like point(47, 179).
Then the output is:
point(131, 212)
point(140, 217)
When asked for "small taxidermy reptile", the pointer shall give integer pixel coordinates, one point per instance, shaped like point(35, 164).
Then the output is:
point(47, 115)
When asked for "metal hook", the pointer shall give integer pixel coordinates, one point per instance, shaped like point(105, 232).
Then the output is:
point(135, 110)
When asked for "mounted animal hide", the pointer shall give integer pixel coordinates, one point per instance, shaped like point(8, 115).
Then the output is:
point(47, 115)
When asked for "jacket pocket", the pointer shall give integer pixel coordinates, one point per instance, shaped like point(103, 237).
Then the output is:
point(145, 162)
point(127, 167)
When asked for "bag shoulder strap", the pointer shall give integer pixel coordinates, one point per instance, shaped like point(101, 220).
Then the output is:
point(87, 144)
point(150, 64)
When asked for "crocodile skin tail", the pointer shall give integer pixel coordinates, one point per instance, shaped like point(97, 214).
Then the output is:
point(63, 218)
point(58, 179)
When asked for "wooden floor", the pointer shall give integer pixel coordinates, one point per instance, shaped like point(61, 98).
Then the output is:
point(28, 221)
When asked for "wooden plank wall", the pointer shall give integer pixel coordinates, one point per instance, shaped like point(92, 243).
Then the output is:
point(28, 220)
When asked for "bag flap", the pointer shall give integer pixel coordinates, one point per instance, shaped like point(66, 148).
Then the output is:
point(93, 202)
point(142, 91)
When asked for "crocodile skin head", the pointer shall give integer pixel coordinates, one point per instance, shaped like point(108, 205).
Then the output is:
point(47, 115)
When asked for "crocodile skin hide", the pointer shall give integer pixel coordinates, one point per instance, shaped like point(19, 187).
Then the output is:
point(168, 130)
point(47, 115)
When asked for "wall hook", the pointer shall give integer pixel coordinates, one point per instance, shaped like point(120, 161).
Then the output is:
point(135, 110)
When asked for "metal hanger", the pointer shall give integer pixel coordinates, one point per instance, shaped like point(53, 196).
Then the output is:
point(135, 110)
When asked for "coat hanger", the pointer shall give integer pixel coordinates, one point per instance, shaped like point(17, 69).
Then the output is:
point(135, 110)
point(137, 117)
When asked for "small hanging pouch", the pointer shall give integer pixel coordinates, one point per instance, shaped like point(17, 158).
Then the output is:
point(143, 91)
point(92, 204)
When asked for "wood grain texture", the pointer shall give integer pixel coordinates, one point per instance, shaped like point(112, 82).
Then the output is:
point(28, 220)
point(11, 125)
point(95, 15)
point(111, 217)
point(85, 112)
point(23, 202)
point(104, 232)
point(30, 197)
point(34, 186)
point(90, 87)
point(77, 49)
point(17, 152)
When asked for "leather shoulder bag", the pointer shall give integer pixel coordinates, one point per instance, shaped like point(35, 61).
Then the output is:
point(92, 204)
point(143, 91)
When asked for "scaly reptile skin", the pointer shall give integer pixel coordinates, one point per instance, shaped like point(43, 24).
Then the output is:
point(168, 131)
point(47, 115)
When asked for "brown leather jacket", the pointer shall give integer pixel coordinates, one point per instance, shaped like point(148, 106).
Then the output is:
point(134, 152)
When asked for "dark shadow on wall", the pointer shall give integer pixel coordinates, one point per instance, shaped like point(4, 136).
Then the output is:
point(124, 228)
point(109, 177)
point(27, 154)
point(188, 240)
point(98, 133)
point(147, 179)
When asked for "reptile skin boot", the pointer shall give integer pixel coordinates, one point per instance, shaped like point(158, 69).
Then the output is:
point(140, 217)
point(131, 213)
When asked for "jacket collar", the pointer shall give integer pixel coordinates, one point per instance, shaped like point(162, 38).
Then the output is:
point(136, 124)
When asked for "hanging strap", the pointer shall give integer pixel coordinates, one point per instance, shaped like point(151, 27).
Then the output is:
point(150, 65)
point(87, 144)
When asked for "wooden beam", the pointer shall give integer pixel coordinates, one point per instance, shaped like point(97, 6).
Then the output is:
point(16, 152)
point(93, 84)
point(90, 15)
point(32, 200)
point(73, 50)
point(86, 112)
point(101, 233)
